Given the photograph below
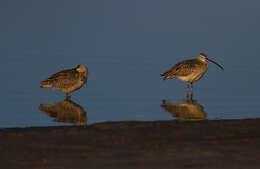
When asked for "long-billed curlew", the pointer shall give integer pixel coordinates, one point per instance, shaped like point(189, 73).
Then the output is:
point(67, 80)
point(189, 70)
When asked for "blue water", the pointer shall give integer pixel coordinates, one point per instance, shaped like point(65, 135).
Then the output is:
point(126, 45)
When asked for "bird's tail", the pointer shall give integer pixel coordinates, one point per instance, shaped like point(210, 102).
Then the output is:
point(45, 84)
point(167, 75)
point(164, 76)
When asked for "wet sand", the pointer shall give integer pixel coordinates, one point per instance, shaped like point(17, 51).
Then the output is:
point(231, 144)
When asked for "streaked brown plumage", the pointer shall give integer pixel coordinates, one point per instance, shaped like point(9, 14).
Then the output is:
point(66, 111)
point(189, 70)
point(188, 110)
point(67, 80)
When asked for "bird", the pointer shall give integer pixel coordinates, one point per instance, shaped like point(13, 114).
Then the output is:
point(66, 111)
point(67, 80)
point(188, 109)
point(189, 71)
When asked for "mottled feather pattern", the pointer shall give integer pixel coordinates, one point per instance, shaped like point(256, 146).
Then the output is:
point(183, 68)
point(67, 80)
point(62, 79)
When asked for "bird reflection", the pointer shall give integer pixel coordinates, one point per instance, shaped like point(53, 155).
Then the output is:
point(188, 109)
point(67, 111)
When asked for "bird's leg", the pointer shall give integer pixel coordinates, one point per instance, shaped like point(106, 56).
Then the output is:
point(188, 86)
point(191, 90)
point(67, 96)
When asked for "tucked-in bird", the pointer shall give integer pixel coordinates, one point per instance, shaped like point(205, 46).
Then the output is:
point(67, 80)
point(189, 70)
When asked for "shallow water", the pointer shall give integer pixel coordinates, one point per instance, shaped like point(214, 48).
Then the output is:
point(126, 45)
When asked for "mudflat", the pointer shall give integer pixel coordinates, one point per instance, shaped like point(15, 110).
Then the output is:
point(225, 144)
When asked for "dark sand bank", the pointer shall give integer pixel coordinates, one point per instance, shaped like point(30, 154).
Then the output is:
point(231, 144)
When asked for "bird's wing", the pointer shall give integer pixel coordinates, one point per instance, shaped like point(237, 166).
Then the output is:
point(63, 78)
point(183, 68)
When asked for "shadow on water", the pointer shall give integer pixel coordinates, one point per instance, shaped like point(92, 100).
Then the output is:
point(188, 109)
point(66, 111)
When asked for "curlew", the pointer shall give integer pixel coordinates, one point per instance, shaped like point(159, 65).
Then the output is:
point(67, 80)
point(189, 71)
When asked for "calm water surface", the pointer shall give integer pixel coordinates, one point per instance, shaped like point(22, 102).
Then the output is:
point(126, 45)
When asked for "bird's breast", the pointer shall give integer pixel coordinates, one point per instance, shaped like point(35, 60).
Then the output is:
point(192, 76)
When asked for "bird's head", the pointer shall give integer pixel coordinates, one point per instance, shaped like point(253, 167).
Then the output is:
point(203, 58)
point(82, 68)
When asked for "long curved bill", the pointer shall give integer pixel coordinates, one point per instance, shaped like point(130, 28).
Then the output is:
point(215, 63)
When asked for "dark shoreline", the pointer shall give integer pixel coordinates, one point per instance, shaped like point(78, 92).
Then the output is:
point(232, 144)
